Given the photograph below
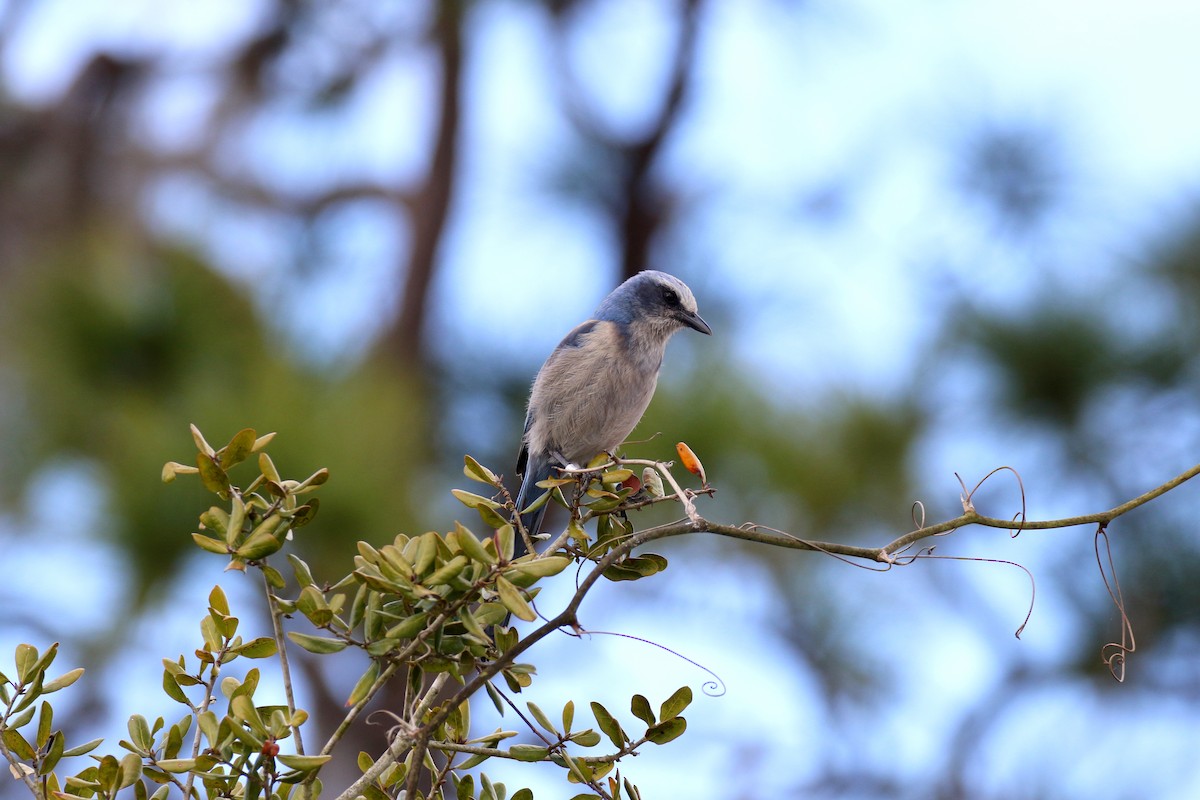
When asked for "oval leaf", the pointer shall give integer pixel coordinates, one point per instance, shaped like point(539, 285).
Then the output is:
point(528, 752)
point(317, 644)
point(302, 763)
point(664, 732)
point(609, 725)
point(510, 596)
point(262, 647)
point(674, 705)
point(640, 707)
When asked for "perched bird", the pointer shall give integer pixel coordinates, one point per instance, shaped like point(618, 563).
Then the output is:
point(595, 386)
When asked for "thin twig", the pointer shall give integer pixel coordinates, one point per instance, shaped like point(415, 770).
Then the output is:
point(285, 670)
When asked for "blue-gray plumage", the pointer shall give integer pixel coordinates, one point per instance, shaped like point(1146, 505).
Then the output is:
point(595, 386)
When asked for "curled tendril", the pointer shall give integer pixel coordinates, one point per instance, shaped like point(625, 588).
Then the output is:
point(928, 553)
point(918, 514)
point(713, 688)
point(967, 496)
point(1114, 653)
point(754, 526)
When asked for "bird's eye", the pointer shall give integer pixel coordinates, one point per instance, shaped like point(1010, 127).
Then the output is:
point(670, 297)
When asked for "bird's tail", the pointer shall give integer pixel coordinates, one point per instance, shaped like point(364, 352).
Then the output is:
point(537, 470)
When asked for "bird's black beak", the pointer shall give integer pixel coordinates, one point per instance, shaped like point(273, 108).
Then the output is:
point(694, 321)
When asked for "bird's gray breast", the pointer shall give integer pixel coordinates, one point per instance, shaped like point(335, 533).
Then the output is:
point(591, 393)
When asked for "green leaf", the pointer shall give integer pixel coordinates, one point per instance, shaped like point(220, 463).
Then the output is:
point(640, 707)
point(318, 478)
point(300, 570)
point(311, 603)
point(139, 734)
point(665, 731)
point(208, 725)
point(496, 697)
point(54, 754)
point(505, 540)
point(302, 763)
point(262, 541)
point(528, 752)
point(427, 549)
point(538, 501)
point(523, 794)
point(491, 517)
point(210, 544)
point(273, 576)
point(470, 546)
point(647, 563)
point(173, 468)
point(526, 573)
point(674, 705)
point(82, 749)
point(541, 718)
point(365, 682)
point(317, 644)
point(16, 743)
point(218, 602)
point(305, 513)
point(62, 681)
point(239, 448)
point(464, 787)
point(588, 738)
point(568, 715)
point(176, 765)
point(510, 596)
point(201, 444)
point(45, 725)
point(408, 627)
point(267, 467)
point(614, 476)
point(243, 709)
point(262, 647)
point(211, 474)
point(22, 719)
point(237, 521)
point(108, 774)
point(617, 572)
point(610, 726)
point(477, 472)
point(475, 501)
point(172, 688)
point(446, 572)
point(471, 623)
point(131, 770)
point(26, 658)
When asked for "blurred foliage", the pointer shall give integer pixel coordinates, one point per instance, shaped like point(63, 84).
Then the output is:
point(112, 348)
point(421, 609)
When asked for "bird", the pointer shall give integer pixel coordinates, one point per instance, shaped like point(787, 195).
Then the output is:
point(591, 392)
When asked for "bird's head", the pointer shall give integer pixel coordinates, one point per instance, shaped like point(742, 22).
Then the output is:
point(654, 298)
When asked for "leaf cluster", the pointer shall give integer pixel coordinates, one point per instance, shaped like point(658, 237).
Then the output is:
point(428, 611)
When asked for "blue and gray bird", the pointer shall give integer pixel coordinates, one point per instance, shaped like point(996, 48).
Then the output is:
point(595, 386)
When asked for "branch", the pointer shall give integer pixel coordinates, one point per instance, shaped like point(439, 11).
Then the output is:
point(755, 533)
point(20, 769)
point(285, 670)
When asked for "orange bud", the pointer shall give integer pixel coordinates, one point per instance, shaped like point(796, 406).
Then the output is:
point(690, 461)
point(632, 482)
